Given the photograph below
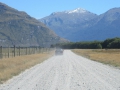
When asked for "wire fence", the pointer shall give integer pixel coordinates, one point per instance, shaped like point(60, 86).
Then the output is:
point(7, 52)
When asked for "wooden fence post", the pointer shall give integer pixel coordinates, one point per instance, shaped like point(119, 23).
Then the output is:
point(29, 50)
point(14, 50)
point(26, 50)
point(19, 50)
point(39, 49)
point(1, 56)
point(8, 52)
point(34, 50)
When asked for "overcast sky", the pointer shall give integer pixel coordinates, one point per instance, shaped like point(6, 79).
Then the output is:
point(41, 8)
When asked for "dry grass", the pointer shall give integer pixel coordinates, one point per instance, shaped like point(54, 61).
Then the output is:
point(10, 67)
point(109, 56)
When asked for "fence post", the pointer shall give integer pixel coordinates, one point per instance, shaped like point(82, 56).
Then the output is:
point(34, 50)
point(48, 50)
point(19, 50)
point(8, 52)
point(1, 56)
point(26, 50)
point(14, 50)
point(29, 50)
point(39, 49)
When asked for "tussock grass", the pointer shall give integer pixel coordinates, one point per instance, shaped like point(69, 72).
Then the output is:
point(106, 56)
point(10, 67)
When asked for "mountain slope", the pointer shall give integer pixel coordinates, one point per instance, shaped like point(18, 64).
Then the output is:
point(66, 22)
point(86, 26)
point(18, 28)
point(106, 25)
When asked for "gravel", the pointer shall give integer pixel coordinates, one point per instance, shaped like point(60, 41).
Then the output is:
point(66, 72)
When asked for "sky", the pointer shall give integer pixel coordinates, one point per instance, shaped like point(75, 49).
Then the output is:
point(42, 8)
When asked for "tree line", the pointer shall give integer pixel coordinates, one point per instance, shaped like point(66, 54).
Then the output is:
point(113, 43)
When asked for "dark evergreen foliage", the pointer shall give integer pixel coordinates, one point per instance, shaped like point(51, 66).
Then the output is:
point(113, 43)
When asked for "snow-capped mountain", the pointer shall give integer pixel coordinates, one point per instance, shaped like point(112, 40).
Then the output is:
point(78, 10)
point(67, 21)
point(75, 11)
point(82, 25)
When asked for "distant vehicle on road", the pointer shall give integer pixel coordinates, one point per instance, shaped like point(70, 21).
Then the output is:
point(59, 51)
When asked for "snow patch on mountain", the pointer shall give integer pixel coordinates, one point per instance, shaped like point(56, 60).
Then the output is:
point(78, 10)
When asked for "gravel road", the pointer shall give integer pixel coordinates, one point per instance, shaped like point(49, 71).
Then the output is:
point(66, 72)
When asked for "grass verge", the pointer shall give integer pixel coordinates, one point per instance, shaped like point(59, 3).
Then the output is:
point(10, 67)
point(106, 56)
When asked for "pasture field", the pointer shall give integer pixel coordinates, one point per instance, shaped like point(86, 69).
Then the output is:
point(106, 56)
point(10, 67)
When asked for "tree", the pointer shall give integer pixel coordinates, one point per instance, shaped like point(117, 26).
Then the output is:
point(114, 44)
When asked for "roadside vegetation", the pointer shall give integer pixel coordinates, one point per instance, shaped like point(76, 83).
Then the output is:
point(10, 67)
point(113, 43)
point(107, 51)
point(106, 56)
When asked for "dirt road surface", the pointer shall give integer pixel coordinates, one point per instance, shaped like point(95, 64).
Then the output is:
point(66, 72)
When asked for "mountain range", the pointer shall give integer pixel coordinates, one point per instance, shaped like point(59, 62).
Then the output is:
point(82, 25)
point(20, 29)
